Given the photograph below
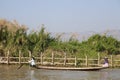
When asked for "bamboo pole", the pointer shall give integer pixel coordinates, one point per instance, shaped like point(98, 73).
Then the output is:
point(86, 61)
point(75, 61)
point(41, 58)
point(19, 56)
point(98, 59)
point(111, 60)
point(65, 58)
point(8, 53)
point(30, 55)
point(52, 58)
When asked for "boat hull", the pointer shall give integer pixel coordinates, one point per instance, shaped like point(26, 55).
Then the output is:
point(73, 68)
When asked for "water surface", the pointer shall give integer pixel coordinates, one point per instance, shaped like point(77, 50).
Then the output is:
point(26, 73)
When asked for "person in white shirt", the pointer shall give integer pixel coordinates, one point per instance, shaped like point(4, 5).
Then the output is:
point(32, 62)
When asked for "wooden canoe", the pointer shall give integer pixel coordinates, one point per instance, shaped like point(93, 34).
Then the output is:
point(72, 68)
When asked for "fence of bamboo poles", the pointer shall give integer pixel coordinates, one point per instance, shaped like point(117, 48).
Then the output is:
point(65, 61)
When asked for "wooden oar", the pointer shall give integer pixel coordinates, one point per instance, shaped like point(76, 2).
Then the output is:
point(20, 66)
point(36, 67)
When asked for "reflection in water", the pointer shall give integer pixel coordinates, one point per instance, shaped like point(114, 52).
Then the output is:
point(104, 76)
point(98, 75)
point(31, 74)
point(11, 73)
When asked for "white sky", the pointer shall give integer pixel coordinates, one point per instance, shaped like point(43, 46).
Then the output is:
point(63, 15)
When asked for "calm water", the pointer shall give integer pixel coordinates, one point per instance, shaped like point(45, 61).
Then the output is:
point(25, 73)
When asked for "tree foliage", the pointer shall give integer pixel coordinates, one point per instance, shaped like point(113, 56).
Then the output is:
point(42, 41)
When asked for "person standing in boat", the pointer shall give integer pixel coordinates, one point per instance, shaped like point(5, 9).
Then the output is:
point(106, 62)
point(32, 62)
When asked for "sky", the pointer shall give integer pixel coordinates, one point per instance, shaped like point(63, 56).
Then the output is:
point(63, 15)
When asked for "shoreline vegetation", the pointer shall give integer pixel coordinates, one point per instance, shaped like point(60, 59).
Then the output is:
point(17, 44)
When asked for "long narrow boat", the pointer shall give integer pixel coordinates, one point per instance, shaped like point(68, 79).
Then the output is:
point(73, 68)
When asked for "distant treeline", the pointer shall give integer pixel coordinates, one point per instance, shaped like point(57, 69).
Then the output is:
point(14, 37)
